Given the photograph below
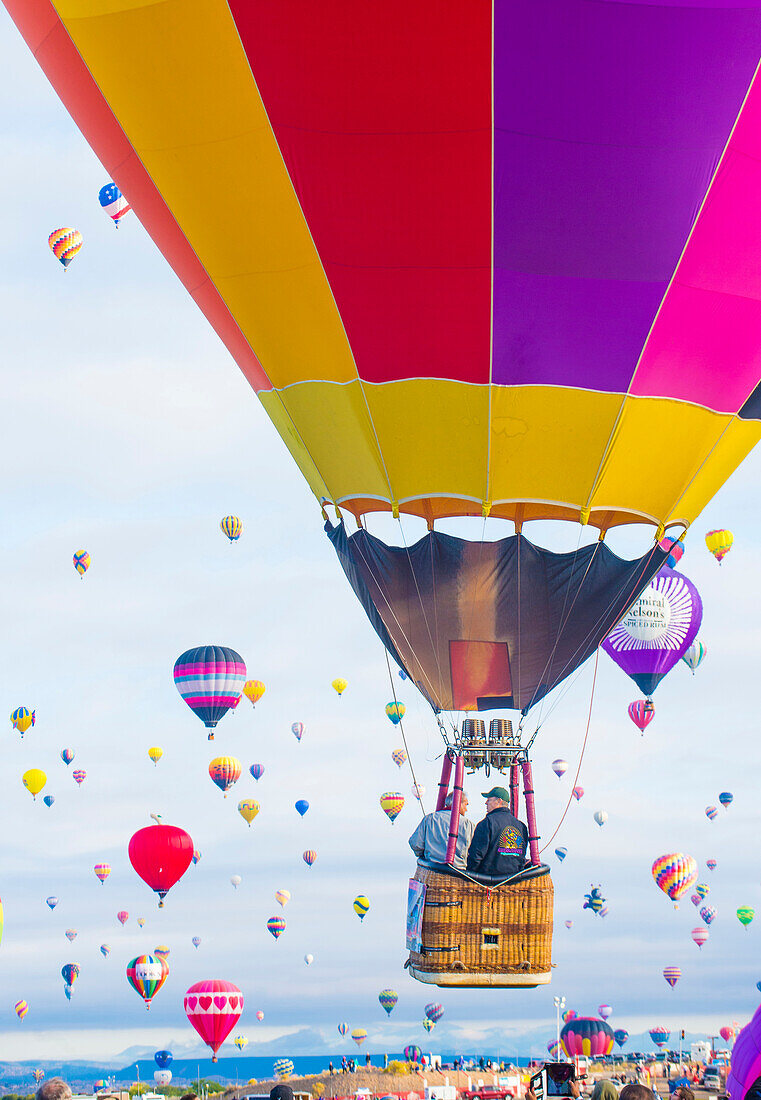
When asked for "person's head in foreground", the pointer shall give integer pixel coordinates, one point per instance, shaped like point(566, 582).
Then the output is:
point(54, 1089)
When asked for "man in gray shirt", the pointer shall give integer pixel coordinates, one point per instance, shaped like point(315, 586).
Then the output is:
point(430, 839)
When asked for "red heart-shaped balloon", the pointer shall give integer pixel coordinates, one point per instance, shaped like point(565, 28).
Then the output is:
point(205, 1003)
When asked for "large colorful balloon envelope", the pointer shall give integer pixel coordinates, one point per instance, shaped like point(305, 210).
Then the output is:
point(146, 974)
point(248, 809)
point(70, 973)
point(79, 776)
point(276, 926)
point(413, 1054)
point(659, 627)
point(210, 678)
point(578, 793)
point(399, 756)
point(359, 1035)
point(388, 999)
point(694, 656)
point(621, 1036)
point(122, 916)
point(113, 202)
point(253, 690)
point(161, 854)
point(604, 1011)
point(642, 712)
point(282, 897)
point(660, 1036)
point(672, 974)
point(309, 856)
point(339, 685)
point(711, 813)
point(301, 807)
point(65, 243)
point(745, 915)
point(105, 950)
point(224, 771)
point(231, 526)
point(699, 936)
point(257, 770)
point(67, 755)
point(81, 562)
point(342, 1029)
point(560, 767)
point(155, 752)
point(434, 1012)
point(588, 1036)
point(21, 1008)
point(361, 906)
point(213, 1007)
point(392, 804)
point(719, 543)
point(675, 873)
point(395, 712)
point(34, 780)
point(22, 719)
point(726, 798)
point(297, 729)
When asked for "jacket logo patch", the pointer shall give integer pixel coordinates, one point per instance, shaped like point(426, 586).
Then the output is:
point(510, 842)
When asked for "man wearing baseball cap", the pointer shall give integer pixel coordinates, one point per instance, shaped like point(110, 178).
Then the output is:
point(499, 842)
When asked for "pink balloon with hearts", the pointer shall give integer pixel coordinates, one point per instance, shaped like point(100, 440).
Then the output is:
point(213, 1007)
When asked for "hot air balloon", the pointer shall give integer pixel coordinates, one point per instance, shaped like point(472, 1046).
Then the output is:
point(282, 897)
point(711, 813)
point(660, 1036)
point(34, 780)
point(65, 243)
point(210, 678)
point(105, 950)
point(146, 974)
point(302, 806)
point(568, 924)
point(213, 1008)
point(726, 798)
point(22, 719)
point(745, 915)
point(388, 999)
point(51, 902)
point(727, 1034)
point(392, 804)
point(578, 793)
point(67, 755)
point(395, 712)
point(235, 880)
point(359, 1035)
point(283, 1068)
point(309, 856)
point(69, 973)
point(569, 1014)
point(342, 1029)
point(257, 770)
point(699, 936)
point(672, 974)
point(560, 767)
point(361, 906)
point(79, 776)
point(224, 771)
point(240, 1041)
point(248, 809)
point(276, 926)
point(711, 864)
point(339, 685)
point(102, 871)
point(399, 756)
point(140, 921)
point(418, 790)
point(604, 1011)
point(259, 1015)
point(254, 690)
point(694, 656)
point(155, 753)
point(309, 959)
point(297, 729)
point(161, 854)
point(48, 799)
point(719, 543)
point(621, 1036)
point(561, 853)
point(162, 951)
point(674, 873)
point(21, 1008)
point(163, 1058)
point(429, 1025)
point(434, 1012)
point(601, 817)
point(702, 889)
point(196, 856)
point(413, 1054)
point(642, 712)
point(585, 1035)
point(553, 1049)
point(162, 1077)
point(122, 916)
point(232, 527)
point(113, 202)
point(594, 900)
point(81, 562)
point(38, 1074)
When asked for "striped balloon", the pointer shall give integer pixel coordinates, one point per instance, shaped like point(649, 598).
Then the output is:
point(395, 712)
point(309, 856)
point(67, 755)
point(621, 1036)
point(146, 974)
point(79, 776)
point(342, 1029)
point(719, 543)
point(392, 804)
point(161, 952)
point(359, 1035)
point(711, 864)
point(22, 719)
point(254, 690)
point(745, 915)
point(708, 914)
point(257, 770)
point(361, 906)
point(702, 889)
point(102, 871)
point(21, 1008)
point(65, 243)
point(675, 873)
point(660, 1036)
point(113, 202)
point(399, 756)
point(282, 897)
point(672, 974)
point(694, 656)
point(232, 527)
point(726, 798)
point(283, 1067)
point(642, 712)
point(434, 1011)
point(700, 936)
point(210, 678)
point(276, 926)
point(588, 1036)
point(429, 1025)
point(413, 1054)
point(224, 771)
point(711, 813)
point(388, 999)
point(297, 730)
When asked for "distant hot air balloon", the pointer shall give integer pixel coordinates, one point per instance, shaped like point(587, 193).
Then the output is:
point(70, 973)
point(601, 817)
point(161, 854)
point(235, 880)
point(434, 1011)
point(586, 1034)
point(213, 1008)
point(283, 1068)
point(162, 951)
point(257, 770)
point(642, 712)
point(162, 1077)
point(694, 656)
point(276, 926)
point(155, 752)
point(745, 915)
point(240, 1041)
point(413, 1054)
point(248, 809)
point(395, 712)
point(309, 856)
point(604, 1011)
point(81, 562)
point(339, 685)
point(38, 1074)
point(560, 767)
point(282, 897)
point(224, 771)
point(702, 889)
point(309, 959)
point(388, 999)
point(660, 1036)
point(302, 806)
point(210, 679)
point(67, 755)
point(711, 864)
point(708, 914)
point(399, 756)
point(196, 856)
point(146, 974)
point(113, 202)
point(674, 873)
point(727, 1034)
point(196, 941)
point(561, 853)
point(568, 924)
point(553, 1049)
point(105, 950)
point(359, 1035)
point(122, 916)
point(51, 902)
point(672, 974)
point(711, 813)
point(578, 793)
point(361, 906)
point(21, 1008)
point(297, 729)
point(34, 780)
point(699, 936)
point(48, 799)
point(259, 1015)
point(392, 804)
point(621, 1036)
point(253, 690)
point(726, 798)
point(79, 776)
point(569, 1014)
point(695, 899)
point(429, 1025)
point(419, 791)
point(719, 543)
point(65, 243)
point(232, 527)
point(594, 900)
point(102, 871)
point(22, 719)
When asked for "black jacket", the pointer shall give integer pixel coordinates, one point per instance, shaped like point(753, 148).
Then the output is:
point(499, 845)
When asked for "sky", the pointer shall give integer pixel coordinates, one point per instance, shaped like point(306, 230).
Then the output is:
point(129, 431)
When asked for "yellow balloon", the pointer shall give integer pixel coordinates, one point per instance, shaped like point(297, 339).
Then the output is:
point(248, 809)
point(155, 753)
point(253, 690)
point(719, 543)
point(339, 685)
point(34, 780)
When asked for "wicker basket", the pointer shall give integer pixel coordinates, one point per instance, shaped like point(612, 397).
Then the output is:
point(473, 936)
